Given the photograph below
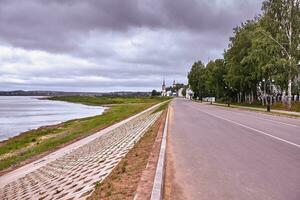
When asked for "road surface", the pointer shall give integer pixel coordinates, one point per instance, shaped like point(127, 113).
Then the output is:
point(222, 153)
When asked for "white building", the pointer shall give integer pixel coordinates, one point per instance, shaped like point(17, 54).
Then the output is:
point(189, 93)
point(179, 93)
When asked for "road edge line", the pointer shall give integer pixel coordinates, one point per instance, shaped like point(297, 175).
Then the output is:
point(253, 129)
point(158, 184)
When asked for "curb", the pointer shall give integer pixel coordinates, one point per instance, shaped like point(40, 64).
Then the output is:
point(157, 190)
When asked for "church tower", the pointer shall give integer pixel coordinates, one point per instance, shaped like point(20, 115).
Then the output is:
point(163, 89)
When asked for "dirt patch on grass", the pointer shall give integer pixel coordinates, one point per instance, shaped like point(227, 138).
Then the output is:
point(145, 185)
point(122, 183)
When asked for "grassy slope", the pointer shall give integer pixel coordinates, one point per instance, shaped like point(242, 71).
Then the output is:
point(98, 100)
point(35, 142)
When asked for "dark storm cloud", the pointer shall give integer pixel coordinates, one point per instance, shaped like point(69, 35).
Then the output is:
point(134, 41)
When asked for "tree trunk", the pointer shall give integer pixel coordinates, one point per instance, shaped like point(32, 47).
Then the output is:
point(283, 97)
point(290, 32)
point(289, 94)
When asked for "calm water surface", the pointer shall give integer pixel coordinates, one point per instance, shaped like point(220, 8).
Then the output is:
point(19, 114)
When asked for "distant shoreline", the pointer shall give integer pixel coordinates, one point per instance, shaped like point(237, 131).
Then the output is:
point(62, 93)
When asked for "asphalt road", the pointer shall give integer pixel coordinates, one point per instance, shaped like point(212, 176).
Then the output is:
point(223, 153)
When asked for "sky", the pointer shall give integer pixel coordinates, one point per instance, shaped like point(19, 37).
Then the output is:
point(112, 45)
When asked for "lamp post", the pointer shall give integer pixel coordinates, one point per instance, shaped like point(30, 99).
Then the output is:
point(264, 96)
point(267, 98)
point(271, 92)
point(228, 89)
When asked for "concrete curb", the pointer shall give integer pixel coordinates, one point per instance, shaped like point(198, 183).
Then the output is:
point(157, 190)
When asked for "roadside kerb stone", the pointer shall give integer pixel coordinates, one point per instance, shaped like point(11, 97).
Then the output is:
point(158, 185)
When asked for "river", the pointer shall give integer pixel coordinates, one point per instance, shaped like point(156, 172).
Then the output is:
point(22, 113)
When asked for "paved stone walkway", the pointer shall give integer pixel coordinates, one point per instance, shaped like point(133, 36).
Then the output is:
point(74, 175)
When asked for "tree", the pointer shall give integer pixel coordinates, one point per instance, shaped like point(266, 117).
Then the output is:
point(265, 50)
point(196, 79)
point(155, 93)
point(215, 83)
point(281, 24)
point(184, 91)
point(242, 74)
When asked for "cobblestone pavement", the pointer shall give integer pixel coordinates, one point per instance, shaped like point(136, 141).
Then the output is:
point(74, 175)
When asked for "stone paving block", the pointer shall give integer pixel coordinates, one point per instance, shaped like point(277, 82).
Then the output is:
point(74, 175)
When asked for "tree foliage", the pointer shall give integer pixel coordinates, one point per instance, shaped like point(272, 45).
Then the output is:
point(262, 51)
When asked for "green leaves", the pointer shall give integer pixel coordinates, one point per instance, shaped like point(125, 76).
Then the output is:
point(265, 48)
point(196, 78)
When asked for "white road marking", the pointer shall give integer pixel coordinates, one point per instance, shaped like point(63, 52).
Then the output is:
point(253, 129)
point(275, 121)
point(271, 120)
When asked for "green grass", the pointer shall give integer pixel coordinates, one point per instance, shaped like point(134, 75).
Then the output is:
point(163, 106)
point(277, 106)
point(98, 100)
point(280, 106)
point(35, 142)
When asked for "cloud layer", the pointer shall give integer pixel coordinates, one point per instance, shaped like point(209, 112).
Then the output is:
point(111, 45)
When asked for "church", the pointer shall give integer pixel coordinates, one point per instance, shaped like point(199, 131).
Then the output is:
point(169, 91)
point(176, 90)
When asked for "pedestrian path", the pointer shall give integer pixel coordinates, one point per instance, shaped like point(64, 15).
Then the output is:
point(74, 175)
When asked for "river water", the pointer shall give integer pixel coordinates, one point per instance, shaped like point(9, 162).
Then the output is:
point(22, 113)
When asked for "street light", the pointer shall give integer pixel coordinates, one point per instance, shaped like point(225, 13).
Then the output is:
point(226, 89)
point(267, 99)
point(264, 96)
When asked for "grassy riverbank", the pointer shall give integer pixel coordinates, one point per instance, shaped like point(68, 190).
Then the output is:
point(33, 144)
point(98, 100)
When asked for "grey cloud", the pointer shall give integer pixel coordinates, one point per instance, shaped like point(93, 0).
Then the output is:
point(49, 24)
point(134, 41)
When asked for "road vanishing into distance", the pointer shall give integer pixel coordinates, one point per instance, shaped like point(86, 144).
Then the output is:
point(223, 153)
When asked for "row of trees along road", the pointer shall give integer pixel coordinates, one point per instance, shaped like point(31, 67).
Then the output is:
point(263, 52)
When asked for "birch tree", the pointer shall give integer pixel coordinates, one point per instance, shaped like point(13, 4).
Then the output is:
point(282, 25)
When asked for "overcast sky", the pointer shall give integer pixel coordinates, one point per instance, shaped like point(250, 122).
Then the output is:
point(111, 45)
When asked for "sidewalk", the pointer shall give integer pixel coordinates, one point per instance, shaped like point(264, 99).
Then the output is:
point(261, 109)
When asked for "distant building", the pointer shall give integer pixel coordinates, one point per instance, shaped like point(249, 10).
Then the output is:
point(179, 93)
point(189, 93)
point(169, 93)
point(175, 90)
